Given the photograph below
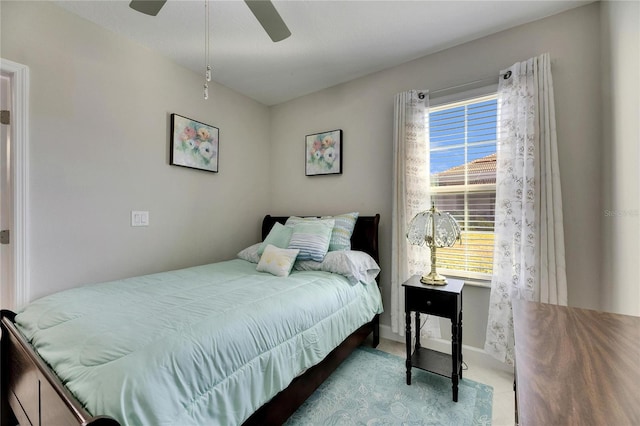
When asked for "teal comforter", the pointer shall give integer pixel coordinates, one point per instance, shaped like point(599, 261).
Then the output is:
point(203, 345)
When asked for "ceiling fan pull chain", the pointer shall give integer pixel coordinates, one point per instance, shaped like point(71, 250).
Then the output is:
point(207, 74)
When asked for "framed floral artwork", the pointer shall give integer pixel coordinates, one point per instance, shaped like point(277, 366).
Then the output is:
point(323, 153)
point(194, 144)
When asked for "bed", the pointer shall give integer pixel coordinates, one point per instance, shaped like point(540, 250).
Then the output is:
point(149, 346)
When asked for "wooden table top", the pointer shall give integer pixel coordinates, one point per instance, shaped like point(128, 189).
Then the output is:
point(576, 366)
point(452, 286)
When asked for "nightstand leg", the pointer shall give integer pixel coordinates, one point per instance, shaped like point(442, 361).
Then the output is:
point(455, 354)
point(408, 336)
point(460, 343)
point(417, 327)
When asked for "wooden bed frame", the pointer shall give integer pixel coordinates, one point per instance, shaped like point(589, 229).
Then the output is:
point(32, 394)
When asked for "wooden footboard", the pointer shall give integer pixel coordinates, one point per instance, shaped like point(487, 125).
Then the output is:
point(31, 394)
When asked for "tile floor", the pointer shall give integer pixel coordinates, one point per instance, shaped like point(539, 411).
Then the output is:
point(503, 396)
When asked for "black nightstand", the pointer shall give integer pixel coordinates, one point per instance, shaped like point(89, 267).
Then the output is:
point(443, 301)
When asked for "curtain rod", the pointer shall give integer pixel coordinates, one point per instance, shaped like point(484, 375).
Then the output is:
point(474, 82)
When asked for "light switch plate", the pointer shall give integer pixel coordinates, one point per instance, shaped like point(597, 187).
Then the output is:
point(139, 218)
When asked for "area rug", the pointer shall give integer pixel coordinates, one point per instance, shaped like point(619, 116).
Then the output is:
point(369, 388)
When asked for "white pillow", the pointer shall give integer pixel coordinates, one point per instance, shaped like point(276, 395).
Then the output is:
point(250, 254)
point(356, 266)
point(277, 261)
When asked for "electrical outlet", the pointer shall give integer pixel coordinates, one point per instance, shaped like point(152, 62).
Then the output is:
point(139, 218)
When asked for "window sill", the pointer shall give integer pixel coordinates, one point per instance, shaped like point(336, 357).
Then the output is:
point(473, 282)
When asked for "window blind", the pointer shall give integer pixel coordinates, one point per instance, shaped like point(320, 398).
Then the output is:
point(462, 138)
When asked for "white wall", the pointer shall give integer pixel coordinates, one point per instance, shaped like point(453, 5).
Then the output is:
point(620, 291)
point(100, 108)
point(363, 109)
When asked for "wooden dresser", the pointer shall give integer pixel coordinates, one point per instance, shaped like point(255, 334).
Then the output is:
point(575, 366)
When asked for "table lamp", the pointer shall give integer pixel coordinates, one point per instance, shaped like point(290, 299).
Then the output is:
point(437, 229)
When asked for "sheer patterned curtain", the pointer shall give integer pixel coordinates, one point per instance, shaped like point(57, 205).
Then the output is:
point(529, 258)
point(410, 196)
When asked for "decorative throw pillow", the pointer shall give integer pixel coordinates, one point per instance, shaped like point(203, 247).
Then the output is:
point(279, 236)
point(250, 254)
point(342, 230)
point(277, 261)
point(312, 238)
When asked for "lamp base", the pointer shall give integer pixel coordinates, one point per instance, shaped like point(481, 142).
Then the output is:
point(433, 278)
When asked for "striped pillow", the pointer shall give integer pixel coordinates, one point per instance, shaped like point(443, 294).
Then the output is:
point(312, 238)
point(342, 230)
point(294, 220)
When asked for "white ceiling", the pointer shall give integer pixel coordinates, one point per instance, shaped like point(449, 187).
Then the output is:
point(332, 41)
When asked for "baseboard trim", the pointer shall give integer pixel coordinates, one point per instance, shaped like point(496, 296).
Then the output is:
point(470, 354)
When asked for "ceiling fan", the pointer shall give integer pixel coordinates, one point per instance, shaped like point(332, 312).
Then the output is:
point(263, 10)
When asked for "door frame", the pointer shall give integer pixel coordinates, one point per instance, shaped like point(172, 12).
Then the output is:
point(19, 75)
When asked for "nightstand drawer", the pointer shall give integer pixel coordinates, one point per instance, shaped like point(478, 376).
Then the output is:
point(431, 302)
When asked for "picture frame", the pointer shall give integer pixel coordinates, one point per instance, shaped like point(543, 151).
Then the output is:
point(323, 153)
point(194, 144)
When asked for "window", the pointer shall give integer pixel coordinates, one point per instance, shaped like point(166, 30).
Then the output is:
point(462, 150)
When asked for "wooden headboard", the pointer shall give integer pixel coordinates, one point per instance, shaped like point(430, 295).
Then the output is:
point(364, 237)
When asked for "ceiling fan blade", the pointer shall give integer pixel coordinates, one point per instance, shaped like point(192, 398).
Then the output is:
point(149, 7)
point(269, 18)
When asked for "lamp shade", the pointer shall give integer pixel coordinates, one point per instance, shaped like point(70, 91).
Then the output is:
point(421, 229)
point(436, 229)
